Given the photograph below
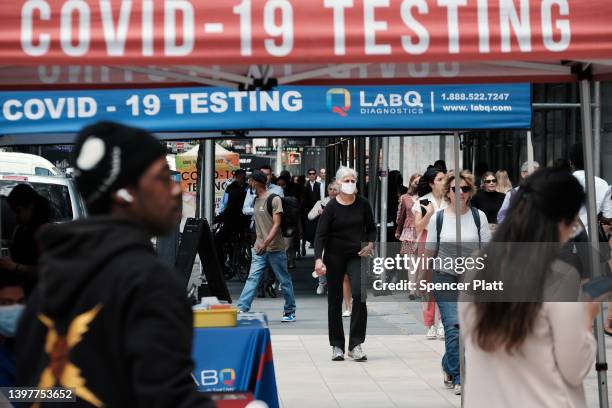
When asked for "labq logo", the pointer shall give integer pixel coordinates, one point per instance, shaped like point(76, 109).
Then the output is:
point(228, 376)
point(208, 378)
point(337, 94)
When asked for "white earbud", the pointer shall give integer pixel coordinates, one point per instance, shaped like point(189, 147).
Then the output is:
point(125, 195)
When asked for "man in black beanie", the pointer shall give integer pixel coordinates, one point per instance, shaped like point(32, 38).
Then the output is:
point(108, 318)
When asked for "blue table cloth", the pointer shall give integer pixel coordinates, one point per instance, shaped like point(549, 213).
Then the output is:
point(236, 359)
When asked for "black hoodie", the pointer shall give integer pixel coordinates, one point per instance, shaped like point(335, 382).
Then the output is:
point(114, 318)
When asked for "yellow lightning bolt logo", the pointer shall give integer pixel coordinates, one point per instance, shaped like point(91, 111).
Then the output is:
point(60, 369)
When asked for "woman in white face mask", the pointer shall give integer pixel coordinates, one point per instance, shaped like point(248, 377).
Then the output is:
point(346, 232)
point(11, 309)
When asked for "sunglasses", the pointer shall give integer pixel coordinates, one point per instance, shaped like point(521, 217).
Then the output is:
point(464, 189)
point(491, 181)
point(312, 174)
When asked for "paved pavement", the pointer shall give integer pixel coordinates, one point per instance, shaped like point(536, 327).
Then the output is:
point(403, 367)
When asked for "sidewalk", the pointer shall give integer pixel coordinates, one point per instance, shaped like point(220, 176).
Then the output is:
point(401, 371)
point(403, 367)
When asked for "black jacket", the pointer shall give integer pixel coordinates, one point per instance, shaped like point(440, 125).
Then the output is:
point(312, 195)
point(232, 215)
point(114, 318)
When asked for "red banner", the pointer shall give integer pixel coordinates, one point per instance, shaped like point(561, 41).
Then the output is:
point(207, 32)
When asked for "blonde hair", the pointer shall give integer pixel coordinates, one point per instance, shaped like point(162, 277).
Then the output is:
point(450, 181)
point(503, 181)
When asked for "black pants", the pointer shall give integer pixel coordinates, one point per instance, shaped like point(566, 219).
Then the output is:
point(337, 267)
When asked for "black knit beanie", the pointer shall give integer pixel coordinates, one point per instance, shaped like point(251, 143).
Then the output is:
point(109, 156)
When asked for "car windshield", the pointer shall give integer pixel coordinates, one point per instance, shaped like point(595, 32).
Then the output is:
point(57, 194)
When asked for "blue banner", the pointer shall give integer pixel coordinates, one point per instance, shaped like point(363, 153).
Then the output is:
point(410, 107)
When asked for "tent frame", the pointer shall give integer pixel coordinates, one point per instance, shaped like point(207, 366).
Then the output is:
point(584, 79)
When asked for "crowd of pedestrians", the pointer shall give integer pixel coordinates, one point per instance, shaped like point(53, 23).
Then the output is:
point(101, 272)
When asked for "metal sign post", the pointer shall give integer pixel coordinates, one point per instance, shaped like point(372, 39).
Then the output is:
point(456, 144)
point(384, 193)
point(589, 175)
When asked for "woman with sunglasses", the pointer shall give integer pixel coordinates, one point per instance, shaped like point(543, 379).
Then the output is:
point(345, 233)
point(488, 199)
point(442, 243)
point(535, 352)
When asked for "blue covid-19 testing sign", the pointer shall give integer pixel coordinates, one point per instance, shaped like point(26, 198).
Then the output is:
point(410, 107)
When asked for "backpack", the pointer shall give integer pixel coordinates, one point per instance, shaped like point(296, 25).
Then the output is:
point(440, 220)
point(290, 216)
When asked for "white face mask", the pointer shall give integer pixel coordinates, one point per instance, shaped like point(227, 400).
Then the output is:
point(348, 188)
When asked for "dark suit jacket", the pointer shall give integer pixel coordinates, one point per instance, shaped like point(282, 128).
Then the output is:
point(312, 195)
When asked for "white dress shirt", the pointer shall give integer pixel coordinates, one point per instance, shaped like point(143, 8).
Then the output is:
point(601, 188)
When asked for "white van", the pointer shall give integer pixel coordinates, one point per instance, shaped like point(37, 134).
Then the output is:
point(23, 163)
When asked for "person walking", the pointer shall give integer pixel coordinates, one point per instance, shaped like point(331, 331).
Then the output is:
point(501, 214)
point(311, 196)
point(290, 190)
point(12, 297)
point(488, 199)
point(269, 249)
point(601, 187)
point(333, 189)
point(32, 212)
point(534, 353)
point(267, 283)
point(394, 193)
point(109, 319)
point(234, 222)
point(442, 244)
point(346, 223)
point(430, 190)
point(504, 185)
point(406, 229)
point(322, 180)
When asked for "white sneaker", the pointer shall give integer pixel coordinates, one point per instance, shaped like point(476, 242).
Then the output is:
point(457, 389)
point(321, 289)
point(346, 313)
point(440, 332)
point(357, 354)
point(431, 333)
point(337, 354)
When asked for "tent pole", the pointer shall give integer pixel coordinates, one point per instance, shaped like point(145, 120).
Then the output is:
point(207, 182)
point(529, 153)
point(372, 170)
point(442, 147)
point(199, 211)
point(401, 159)
point(384, 190)
point(597, 127)
point(473, 144)
point(456, 144)
point(587, 134)
point(360, 165)
point(279, 157)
